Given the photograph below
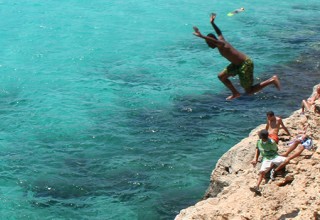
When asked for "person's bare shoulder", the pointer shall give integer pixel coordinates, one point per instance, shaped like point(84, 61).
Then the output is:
point(279, 119)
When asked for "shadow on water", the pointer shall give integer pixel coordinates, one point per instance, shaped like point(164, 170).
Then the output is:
point(11, 102)
point(130, 77)
point(76, 179)
point(307, 7)
point(74, 191)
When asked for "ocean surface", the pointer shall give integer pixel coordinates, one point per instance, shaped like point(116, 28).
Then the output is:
point(113, 110)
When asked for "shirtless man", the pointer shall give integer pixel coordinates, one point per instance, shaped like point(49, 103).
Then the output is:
point(274, 124)
point(240, 65)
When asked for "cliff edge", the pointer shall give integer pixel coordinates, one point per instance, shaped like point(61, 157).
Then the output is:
point(295, 194)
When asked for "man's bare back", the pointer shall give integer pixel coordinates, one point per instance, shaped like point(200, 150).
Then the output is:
point(231, 54)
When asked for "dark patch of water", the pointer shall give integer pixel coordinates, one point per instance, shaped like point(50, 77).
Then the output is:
point(307, 7)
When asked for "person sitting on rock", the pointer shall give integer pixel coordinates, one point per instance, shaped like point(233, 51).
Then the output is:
point(268, 149)
point(313, 101)
point(274, 124)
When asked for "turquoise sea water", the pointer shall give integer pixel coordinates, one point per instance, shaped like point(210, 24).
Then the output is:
point(112, 109)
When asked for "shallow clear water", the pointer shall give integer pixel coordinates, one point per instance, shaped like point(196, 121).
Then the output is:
point(112, 109)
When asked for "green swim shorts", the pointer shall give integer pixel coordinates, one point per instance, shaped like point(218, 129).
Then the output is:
point(245, 72)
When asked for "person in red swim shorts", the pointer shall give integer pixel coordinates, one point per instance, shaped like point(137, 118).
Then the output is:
point(274, 124)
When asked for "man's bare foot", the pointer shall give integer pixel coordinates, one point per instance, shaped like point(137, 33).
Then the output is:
point(286, 181)
point(233, 96)
point(276, 82)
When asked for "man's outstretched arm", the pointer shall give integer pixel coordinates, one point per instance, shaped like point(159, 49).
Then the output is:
point(214, 41)
point(215, 27)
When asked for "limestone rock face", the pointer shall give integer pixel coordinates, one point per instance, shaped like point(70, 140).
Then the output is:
point(295, 194)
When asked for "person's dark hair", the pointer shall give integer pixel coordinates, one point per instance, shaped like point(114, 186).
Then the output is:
point(270, 113)
point(212, 35)
point(263, 134)
point(210, 44)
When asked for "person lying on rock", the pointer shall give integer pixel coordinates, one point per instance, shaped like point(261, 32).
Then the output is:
point(312, 102)
point(268, 149)
point(301, 142)
point(274, 124)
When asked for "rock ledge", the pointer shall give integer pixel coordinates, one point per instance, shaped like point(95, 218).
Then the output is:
point(229, 198)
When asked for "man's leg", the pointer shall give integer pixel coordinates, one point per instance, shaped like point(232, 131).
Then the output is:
point(291, 148)
point(256, 88)
point(265, 167)
point(304, 105)
point(223, 76)
point(260, 178)
point(298, 153)
point(256, 188)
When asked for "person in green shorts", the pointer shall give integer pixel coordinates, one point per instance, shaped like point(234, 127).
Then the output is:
point(241, 65)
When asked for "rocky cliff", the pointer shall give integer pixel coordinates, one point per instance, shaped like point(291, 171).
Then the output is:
point(295, 194)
